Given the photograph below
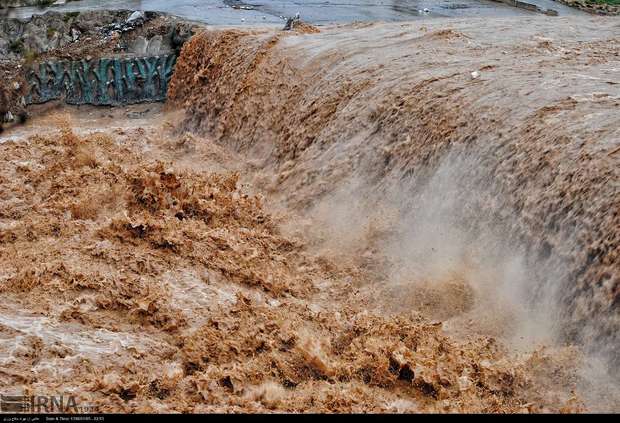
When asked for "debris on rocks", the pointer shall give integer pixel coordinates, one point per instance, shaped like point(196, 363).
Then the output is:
point(290, 22)
point(135, 20)
point(296, 24)
point(75, 34)
point(136, 16)
point(239, 5)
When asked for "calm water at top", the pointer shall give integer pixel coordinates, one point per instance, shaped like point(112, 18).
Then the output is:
point(218, 12)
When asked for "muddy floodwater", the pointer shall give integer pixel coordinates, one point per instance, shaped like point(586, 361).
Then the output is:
point(359, 217)
point(217, 12)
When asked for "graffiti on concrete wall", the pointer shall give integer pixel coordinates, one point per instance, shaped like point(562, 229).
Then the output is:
point(101, 81)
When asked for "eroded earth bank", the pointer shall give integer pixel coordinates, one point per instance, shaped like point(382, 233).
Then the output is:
point(377, 217)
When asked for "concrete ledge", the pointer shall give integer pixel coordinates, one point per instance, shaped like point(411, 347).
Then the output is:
point(528, 6)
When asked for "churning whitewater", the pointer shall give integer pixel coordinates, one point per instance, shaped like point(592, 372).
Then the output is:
point(370, 217)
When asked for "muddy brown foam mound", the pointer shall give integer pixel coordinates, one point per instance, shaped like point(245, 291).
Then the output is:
point(140, 285)
point(523, 116)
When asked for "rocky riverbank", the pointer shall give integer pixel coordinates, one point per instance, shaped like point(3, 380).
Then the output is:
point(595, 7)
point(75, 36)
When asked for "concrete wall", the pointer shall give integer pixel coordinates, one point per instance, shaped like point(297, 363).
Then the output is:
point(528, 6)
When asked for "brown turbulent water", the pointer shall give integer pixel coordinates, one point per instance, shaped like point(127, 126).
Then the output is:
point(339, 221)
